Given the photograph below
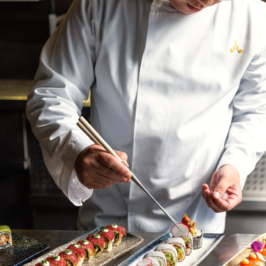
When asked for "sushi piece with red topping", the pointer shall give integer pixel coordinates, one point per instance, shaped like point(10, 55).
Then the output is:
point(98, 243)
point(70, 257)
point(79, 251)
point(56, 261)
point(43, 263)
point(119, 232)
point(109, 237)
point(88, 247)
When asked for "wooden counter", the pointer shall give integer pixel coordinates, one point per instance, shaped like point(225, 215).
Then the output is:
point(17, 89)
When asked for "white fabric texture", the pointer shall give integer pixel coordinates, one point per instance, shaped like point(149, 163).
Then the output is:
point(167, 90)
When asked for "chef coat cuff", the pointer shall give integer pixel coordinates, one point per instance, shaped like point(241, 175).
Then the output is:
point(240, 163)
point(77, 192)
point(68, 181)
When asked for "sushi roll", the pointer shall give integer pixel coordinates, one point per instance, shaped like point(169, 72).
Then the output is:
point(157, 255)
point(5, 237)
point(119, 232)
point(109, 237)
point(154, 262)
point(196, 233)
point(189, 244)
point(88, 247)
point(98, 243)
point(70, 258)
point(144, 262)
point(43, 263)
point(170, 253)
point(179, 244)
point(79, 251)
point(56, 261)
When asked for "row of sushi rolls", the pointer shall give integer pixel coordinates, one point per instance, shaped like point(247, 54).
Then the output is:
point(169, 253)
point(173, 251)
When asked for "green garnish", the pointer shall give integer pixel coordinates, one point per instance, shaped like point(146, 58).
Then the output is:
point(96, 249)
point(96, 236)
point(44, 261)
point(68, 251)
point(114, 224)
point(55, 257)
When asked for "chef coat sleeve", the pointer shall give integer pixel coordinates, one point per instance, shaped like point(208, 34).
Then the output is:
point(246, 141)
point(62, 82)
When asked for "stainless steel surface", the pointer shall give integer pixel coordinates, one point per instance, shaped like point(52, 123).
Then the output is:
point(254, 192)
point(96, 138)
point(228, 247)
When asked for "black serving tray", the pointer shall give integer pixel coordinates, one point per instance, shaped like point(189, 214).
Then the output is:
point(23, 250)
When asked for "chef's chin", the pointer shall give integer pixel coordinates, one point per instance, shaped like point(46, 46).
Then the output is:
point(184, 7)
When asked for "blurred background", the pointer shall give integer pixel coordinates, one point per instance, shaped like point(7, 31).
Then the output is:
point(29, 198)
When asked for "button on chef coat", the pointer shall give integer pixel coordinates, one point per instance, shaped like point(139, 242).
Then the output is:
point(181, 94)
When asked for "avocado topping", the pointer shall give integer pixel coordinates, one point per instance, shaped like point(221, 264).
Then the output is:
point(96, 249)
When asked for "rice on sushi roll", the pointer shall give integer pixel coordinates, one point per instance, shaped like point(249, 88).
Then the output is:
point(5, 237)
point(109, 237)
point(98, 243)
point(170, 253)
point(70, 257)
point(157, 255)
point(189, 243)
point(79, 251)
point(179, 244)
point(119, 232)
point(88, 247)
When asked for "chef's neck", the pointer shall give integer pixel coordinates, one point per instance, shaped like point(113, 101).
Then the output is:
point(192, 6)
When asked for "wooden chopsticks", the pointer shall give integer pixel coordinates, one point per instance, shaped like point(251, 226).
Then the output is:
point(95, 137)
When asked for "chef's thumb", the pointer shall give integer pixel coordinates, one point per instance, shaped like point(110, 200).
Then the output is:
point(221, 186)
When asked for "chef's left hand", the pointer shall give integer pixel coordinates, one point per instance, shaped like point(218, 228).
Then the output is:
point(225, 179)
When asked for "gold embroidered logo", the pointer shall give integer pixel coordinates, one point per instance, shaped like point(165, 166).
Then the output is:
point(236, 48)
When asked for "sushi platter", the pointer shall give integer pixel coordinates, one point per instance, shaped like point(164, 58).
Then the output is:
point(210, 241)
point(129, 242)
point(252, 254)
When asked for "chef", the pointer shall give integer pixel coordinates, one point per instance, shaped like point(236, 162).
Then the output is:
point(177, 88)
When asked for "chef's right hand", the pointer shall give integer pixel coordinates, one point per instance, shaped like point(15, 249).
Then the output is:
point(98, 169)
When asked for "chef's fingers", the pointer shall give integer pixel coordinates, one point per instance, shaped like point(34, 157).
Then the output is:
point(205, 192)
point(110, 173)
point(204, 189)
point(99, 185)
point(223, 183)
point(212, 204)
point(114, 168)
point(233, 199)
point(123, 156)
point(213, 182)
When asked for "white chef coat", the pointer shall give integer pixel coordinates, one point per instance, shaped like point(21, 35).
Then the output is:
point(167, 90)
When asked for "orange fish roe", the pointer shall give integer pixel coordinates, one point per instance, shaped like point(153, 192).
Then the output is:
point(245, 262)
